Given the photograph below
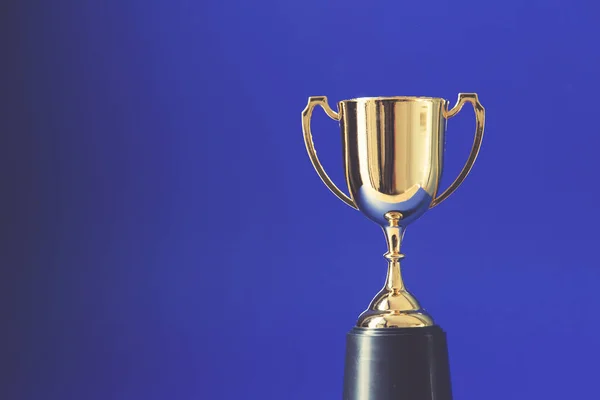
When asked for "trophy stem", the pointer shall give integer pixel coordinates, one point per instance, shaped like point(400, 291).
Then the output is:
point(393, 234)
point(394, 306)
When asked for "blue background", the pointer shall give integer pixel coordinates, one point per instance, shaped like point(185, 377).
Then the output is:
point(164, 235)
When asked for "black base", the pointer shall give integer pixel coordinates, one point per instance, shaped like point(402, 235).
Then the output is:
point(397, 364)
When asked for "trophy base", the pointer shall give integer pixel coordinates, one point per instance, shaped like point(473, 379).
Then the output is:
point(397, 364)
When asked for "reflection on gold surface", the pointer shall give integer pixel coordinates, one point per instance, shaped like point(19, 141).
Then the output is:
point(393, 156)
point(393, 151)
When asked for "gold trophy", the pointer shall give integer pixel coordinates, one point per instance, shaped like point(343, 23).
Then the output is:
point(393, 153)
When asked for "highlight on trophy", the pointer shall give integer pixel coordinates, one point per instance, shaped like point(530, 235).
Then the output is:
point(393, 154)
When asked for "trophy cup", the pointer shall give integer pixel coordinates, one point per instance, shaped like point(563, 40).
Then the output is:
point(393, 154)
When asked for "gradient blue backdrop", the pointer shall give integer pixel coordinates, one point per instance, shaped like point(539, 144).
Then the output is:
point(165, 236)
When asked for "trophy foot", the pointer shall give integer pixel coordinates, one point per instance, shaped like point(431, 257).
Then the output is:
point(394, 309)
point(372, 319)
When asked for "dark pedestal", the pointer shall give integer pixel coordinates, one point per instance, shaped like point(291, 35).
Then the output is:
point(397, 364)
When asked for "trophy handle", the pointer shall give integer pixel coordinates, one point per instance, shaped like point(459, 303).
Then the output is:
point(480, 120)
point(310, 146)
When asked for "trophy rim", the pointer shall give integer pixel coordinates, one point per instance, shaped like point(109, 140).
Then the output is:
point(394, 98)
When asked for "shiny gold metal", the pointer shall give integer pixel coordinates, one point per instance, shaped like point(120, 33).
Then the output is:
point(480, 121)
point(394, 306)
point(393, 155)
point(310, 146)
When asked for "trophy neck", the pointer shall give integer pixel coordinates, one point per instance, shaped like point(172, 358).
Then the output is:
point(394, 306)
point(393, 235)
